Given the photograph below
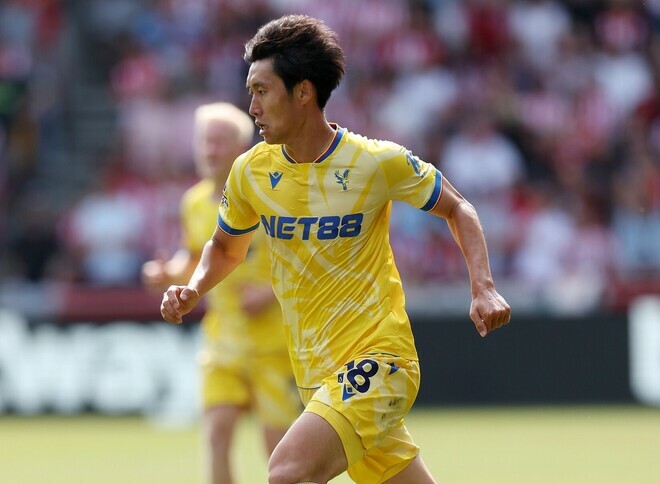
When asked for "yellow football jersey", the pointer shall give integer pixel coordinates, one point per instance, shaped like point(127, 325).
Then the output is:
point(228, 333)
point(327, 228)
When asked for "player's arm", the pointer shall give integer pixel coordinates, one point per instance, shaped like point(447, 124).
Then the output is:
point(160, 273)
point(181, 266)
point(488, 310)
point(221, 255)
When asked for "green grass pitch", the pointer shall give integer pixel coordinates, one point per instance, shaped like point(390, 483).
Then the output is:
point(530, 445)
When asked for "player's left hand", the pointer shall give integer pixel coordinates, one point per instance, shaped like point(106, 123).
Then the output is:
point(489, 311)
point(256, 298)
point(154, 276)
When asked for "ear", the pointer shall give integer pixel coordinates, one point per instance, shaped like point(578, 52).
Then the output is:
point(304, 92)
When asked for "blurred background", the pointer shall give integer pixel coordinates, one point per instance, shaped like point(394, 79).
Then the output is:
point(544, 113)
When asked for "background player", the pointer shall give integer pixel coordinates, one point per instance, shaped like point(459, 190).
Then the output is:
point(244, 361)
point(323, 196)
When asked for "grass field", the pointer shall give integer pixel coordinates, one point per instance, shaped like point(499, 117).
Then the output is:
point(475, 445)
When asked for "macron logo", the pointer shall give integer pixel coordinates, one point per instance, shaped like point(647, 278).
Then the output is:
point(275, 177)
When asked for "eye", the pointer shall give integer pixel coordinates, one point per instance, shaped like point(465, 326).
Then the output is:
point(258, 91)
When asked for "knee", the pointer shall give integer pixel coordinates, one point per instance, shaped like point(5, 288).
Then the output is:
point(219, 434)
point(282, 471)
point(218, 438)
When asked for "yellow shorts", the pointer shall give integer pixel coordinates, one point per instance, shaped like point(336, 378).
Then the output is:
point(262, 383)
point(365, 402)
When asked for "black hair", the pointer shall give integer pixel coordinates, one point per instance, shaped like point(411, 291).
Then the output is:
point(301, 47)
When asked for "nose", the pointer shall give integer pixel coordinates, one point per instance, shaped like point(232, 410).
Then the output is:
point(213, 149)
point(254, 107)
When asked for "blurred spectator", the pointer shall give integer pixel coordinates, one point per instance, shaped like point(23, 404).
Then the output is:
point(637, 211)
point(538, 26)
point(156, 133)
point(485, 166)
point(103, 230)
point(573, 69)
point(435, 254)
point(34, 246)
point(620, 69)
point(546, 234)
point(587, 264)
point(414, 100)
point(475, 30)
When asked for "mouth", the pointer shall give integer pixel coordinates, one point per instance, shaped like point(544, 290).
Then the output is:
point(262, 127)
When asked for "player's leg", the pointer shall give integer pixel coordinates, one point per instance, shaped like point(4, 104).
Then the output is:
point(219, 424)
point(225, 395)
point(416, 472)
point(311, 451)
point(272, 437)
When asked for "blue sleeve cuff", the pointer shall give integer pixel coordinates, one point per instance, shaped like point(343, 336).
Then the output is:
point(437, 190)
point(231, 231)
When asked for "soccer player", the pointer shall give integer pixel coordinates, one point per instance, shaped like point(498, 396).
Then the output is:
point(322, 195)
point(244, 360)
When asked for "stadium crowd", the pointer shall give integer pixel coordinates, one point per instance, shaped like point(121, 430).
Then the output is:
point(544, 113)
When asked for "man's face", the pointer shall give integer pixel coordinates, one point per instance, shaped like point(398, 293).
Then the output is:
point(273, 108)
point(217, 147)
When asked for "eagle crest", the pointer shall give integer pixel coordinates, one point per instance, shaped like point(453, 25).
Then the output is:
point(342, 178)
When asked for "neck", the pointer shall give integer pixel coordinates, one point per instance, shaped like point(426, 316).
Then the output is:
point(311, 142)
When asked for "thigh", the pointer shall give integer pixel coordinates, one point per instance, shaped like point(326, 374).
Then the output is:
point(219, 423)
point(310, 451)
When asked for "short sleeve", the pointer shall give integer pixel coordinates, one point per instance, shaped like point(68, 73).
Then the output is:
point(412, 180)
point(236, 216)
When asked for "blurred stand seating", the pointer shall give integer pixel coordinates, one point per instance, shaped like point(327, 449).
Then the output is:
point(545, 113)
point(64, 303)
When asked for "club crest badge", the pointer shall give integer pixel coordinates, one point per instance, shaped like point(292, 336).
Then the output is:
point(342, 178)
